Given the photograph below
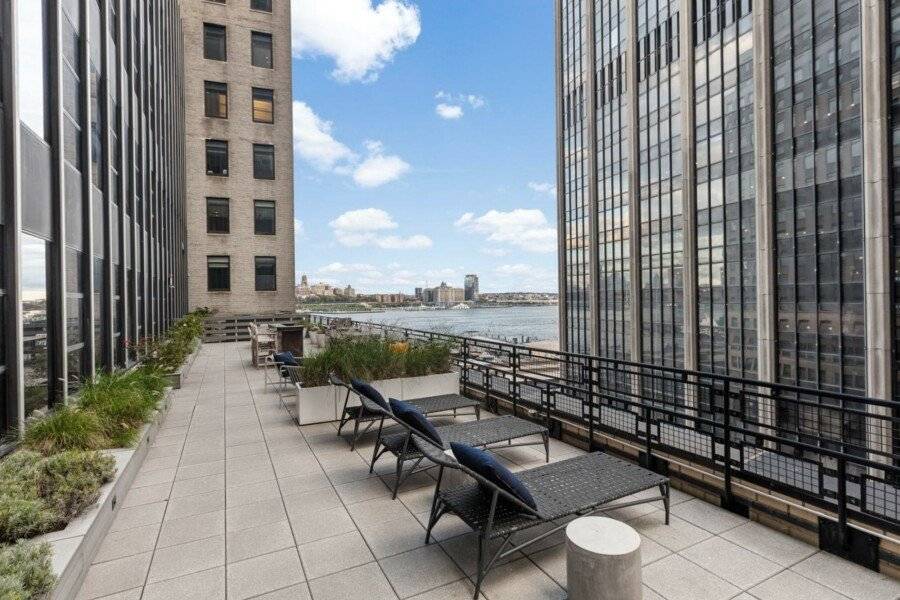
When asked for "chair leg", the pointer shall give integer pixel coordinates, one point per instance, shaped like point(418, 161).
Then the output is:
point(480, 576)
point(477, 412)
point(546, 437)
point(397, 479)
point(664, 490)
point(355, 435)
point(375, 456)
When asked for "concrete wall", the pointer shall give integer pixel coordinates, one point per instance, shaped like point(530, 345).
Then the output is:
point(241, 244)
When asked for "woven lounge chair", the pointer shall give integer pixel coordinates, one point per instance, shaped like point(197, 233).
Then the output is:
point(444, 403)
point(574, 487)
point(498, 432)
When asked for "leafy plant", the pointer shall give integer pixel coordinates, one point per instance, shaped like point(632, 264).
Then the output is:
point(40, 494)
point(26, 571)
point(373, 357)
point(123, 401)
point(66, 428)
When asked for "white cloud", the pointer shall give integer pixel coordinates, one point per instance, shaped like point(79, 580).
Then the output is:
point(361, 37)
point(448, 111)
point(491, 251)
point(314, 142)
point(339, 268)
point(523, 228)
point(526, 277)
point(543, 187)
point(366, 227)
point(299, 230)
point(450, 106)
point(378, 168)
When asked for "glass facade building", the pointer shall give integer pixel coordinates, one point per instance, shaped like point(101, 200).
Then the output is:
point(751, 146)
point(91, 191)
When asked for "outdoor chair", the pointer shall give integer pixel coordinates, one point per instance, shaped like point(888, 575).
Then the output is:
point(498, 432)
point(430, 405)
point(273, 368)
point(573, 487)
point(292, 387)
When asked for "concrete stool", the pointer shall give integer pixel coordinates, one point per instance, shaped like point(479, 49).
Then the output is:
point(603, 560)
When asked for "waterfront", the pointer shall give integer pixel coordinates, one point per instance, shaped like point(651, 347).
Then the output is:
point(512, 323)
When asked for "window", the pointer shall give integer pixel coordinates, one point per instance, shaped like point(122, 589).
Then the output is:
point(217, 157)
point(218, 273)
point(214, 46)
point(263, 105)
point(264, 5)
point(31, 62)
point(263, 161)
point(216, 99)
point(265, 273)
point(217, 215)
point(261, 49)
point(264, 217)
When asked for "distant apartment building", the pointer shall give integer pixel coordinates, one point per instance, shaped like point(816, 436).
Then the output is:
point(471, 287)
point(443, 294)
point(92, 191)
point(726, 199)
point(239, 155)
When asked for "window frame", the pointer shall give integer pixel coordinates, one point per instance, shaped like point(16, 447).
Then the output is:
point(227, 267)
point(256, 274)
point(265, 205)
point(266, 10)
point(259, 148)
point(271, 99)
point(224, 172)
point(206, 94)
point(207, 29)
point(226, 202)
point(262, 36)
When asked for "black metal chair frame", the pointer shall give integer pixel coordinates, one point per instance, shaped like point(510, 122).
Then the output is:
point(515, 514)
point(283, 379)
point(359, 415)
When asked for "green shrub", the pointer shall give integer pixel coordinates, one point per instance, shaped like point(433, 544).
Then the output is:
point(66, 428)
point(40, 494)
point(123, 401)
point(373, 357)
point(26, 571)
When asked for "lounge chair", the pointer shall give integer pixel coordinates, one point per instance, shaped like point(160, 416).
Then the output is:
point(444, 403)
point(274, 371)
point(498, 432)
point(574, 487)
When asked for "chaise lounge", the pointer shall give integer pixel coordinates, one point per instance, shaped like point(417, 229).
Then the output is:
point(497, 507)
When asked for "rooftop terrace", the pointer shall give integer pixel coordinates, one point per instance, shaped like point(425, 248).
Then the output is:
point(236, 501)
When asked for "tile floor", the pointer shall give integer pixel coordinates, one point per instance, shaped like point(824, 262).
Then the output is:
point(235, 501)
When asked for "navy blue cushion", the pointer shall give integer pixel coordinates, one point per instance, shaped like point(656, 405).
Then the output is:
point(410, 415)
point(491, 469)
point(286, 358)
point(369, 392)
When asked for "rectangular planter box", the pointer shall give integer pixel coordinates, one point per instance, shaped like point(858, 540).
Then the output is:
point(326, 403)
point(75, 546)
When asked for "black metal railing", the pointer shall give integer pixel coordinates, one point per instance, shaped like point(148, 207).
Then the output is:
point(831, 450)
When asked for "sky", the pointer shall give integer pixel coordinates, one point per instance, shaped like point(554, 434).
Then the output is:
point(424, 143)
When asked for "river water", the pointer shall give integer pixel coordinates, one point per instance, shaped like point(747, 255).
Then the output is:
point(511, 323)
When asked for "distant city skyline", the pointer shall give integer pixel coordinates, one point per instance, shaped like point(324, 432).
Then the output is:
point(411, 168)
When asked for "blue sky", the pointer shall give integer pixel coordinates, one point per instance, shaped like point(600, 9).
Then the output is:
point(424, 142)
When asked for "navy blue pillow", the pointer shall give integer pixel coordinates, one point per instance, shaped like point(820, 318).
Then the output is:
point(286, 358)
point(491, 469)
point(410, 415)
point(369, 392)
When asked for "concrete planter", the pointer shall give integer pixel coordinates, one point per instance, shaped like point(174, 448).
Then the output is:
point(326, 403)
point(176, 377)
point(75, 546)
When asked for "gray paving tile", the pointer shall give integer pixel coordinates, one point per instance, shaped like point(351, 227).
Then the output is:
point(458, 590)
point(132, 594)
point(294, 592)
point(462, 549)
point(350, 583)
point(419, 570)
point(254, 492)
point(204, 585)
point(263, 574)
point(789, 585)
point(119, 544)
point(359, 491)
point(201, 470)
point(851, 580)
point(198, 504)
point(247, 543)
point(734, 564)
point(521, 580)
point(114, 576)
point(153, 478)
point(175, 561)
point(198, 485)
point(708, 517)
point(138, 516)
point(675, 536)
point(769, 543)
point(375, 512)
point(147, 495)
point(190, 529)
point(254, 514)
point(297, 484)
point(394, 537)
point(244, 477)
point(334, 554)
point(676, 578)
point(309, 527)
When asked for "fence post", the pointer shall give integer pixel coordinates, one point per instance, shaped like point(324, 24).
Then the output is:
point(728, 499)
point(514, 389)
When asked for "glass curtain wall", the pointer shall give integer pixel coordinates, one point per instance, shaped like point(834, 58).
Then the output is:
point(614, 278)
point(575, 183)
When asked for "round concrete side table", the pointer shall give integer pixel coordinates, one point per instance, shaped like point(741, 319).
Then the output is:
point(603, 560)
